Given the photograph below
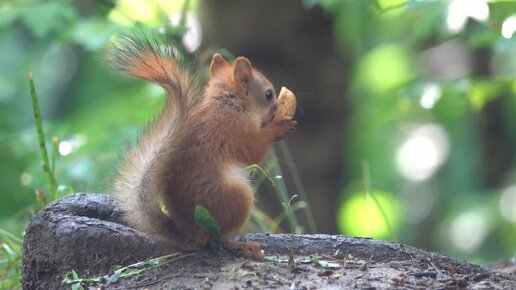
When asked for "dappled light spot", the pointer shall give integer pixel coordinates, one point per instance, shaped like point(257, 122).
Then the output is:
point(509, 27)
point(26, 179)
point(418, 200)
point(137, 10)
point(460, 10)
point(360, 216)
point(423, 152)
point(431, 94)
point(508, 204)
point(129, 12)
point(385, 68)
point(65, 148)
point(75, 142)
point(193, 36)
point(468, 231)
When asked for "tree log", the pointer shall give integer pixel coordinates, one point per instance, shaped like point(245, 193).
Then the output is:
point(84, 233)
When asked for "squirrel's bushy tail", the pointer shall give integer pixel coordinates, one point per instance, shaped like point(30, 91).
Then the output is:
point(138, 181)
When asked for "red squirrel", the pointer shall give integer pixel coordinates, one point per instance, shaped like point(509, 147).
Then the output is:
point(196, 150)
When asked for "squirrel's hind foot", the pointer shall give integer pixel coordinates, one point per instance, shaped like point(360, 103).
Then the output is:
point(249, 249)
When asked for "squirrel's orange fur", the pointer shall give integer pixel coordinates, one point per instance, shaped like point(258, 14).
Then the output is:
point(196, 151)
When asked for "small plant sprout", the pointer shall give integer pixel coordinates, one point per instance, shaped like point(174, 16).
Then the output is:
point(288, 209)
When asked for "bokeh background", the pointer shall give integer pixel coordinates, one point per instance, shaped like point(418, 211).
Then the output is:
point(406, 104)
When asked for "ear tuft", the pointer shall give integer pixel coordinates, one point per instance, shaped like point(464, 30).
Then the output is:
point(242, 70)
point(217, 62)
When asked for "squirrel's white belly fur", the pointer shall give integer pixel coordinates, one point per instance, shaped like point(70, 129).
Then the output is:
point(236, 173)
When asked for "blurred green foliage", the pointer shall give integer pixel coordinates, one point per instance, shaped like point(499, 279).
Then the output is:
point(87, 106)
point(84, 102)
point(433, 95)
point(422, 87)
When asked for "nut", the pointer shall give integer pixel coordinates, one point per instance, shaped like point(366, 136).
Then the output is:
point(286, 105)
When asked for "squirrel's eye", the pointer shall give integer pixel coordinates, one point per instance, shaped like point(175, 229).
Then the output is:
point(269, 95)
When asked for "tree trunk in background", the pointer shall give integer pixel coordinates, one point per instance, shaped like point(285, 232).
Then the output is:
point(294, 47)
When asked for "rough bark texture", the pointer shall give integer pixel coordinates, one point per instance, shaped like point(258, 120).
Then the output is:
point(83, 232)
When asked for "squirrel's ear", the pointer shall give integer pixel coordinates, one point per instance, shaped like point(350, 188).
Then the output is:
point(217, 62)
point(242, 70)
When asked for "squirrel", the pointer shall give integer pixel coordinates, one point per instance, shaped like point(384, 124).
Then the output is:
point(195, 152)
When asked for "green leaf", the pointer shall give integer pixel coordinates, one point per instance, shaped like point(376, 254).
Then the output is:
point(205, 220)
point(77, 286)
point(74, 275)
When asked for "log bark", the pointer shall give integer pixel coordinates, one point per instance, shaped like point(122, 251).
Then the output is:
point(84, 233)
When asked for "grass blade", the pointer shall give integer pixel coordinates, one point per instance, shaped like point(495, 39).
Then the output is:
point(312, 227)
point(41, 138)
point(281, 188)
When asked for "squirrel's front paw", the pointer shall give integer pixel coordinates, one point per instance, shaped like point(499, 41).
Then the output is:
point(283, 127)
